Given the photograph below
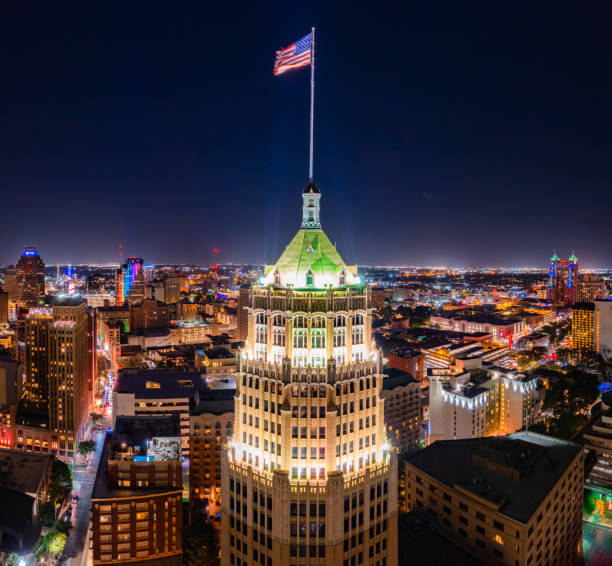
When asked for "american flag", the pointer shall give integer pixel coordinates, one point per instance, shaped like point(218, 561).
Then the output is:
point(294, 56)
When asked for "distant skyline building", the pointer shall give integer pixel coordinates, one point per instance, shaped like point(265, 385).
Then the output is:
point(4, 307)
point(30, 279)
point(562, 280)
point(133, 280)
point(309, 477)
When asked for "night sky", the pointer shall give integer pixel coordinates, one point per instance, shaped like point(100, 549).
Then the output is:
point(459, 133)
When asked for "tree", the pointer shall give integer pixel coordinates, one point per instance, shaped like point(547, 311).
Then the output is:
point(200, 543)
point(61, 482)
point(86, 447)
point(54, 542)
point(47, 514)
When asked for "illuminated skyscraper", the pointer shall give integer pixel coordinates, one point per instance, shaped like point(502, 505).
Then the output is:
point(30, 279)
point(308, 477)
point(119, 292)
point(133, 280)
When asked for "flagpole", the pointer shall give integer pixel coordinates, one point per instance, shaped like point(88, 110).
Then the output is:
point(312, 85)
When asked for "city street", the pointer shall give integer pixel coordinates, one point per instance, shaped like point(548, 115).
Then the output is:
point(597, 544)
point(83, 476)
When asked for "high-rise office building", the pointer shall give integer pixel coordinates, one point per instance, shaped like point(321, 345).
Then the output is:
point(30, 279)
point(35, 388)
point(58, 373)
point(69, 367)
point(562, 280)
point(309, 477)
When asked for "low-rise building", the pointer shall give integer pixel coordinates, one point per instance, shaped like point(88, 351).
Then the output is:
point(216, 360)
point(136, 502)
point(513, 500)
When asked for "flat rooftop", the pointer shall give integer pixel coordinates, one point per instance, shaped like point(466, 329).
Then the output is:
point(514, 472)
point(135, 433)
point(159, 383)
point(21, 471)
point(396, 377)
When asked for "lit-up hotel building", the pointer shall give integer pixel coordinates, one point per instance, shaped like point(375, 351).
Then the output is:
point(562, 280)
point(592, 328)
point(309, 478)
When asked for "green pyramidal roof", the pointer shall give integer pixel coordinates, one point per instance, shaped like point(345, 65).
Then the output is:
point(310, 260)
point(555, 257)
point(573, 257)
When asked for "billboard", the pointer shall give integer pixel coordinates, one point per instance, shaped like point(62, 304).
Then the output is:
point(164, 448)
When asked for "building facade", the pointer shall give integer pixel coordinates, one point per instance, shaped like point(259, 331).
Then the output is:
point(513, 500)
point(211, 423)
point(592, 328)
point(309, 476)
point(403, 410)
point(494, 401)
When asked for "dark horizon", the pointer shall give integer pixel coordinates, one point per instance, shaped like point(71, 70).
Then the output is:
point(457, 135)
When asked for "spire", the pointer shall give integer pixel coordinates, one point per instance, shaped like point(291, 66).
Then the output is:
point(310, 207)
point(555, 257)
point(573, 257)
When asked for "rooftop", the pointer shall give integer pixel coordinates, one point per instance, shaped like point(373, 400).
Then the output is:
point(135, 437)
point(158, 383)
point(513, 473)
point(396, 377)
point(22, 471)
